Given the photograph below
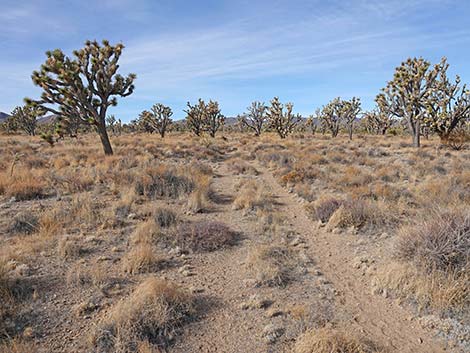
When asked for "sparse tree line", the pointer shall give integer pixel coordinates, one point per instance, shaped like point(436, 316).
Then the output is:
point(420, 99)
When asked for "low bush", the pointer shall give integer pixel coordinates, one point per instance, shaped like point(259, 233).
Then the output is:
point(24, 223)
point(152, 313)
point(272, 265)
point(165, 218)
point(204, 236)
point(440, 243)
point(327, 340)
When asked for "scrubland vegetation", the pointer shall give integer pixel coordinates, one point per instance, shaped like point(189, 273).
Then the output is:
point(334, 233)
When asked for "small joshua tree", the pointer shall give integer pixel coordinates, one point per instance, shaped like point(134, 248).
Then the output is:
point(214, 118)
point(25, 118)
point(83, 87)
point(330, 116)
point(161, 118)
point(115, 125)
point(204, 117)
point(349, 112)
point(407, 95)
point(255, 118)
point(143, 122)
point(196, 116)
point(282, 121)
point(448, 106)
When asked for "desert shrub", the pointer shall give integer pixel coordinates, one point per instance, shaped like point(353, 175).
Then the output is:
point(69, 248)
point(358, 213)
point(24, 185)
point(442, 292)
point(24, 223)
point(16, 345)
point(327, 340)
point(163, 182)
point(141, 259)
point(153, 312)
point(203, 236)
point(457, 139)
point(440, 243)
point(272, 265)
point(251, 196)
point(165, 218)
point(324, 208)
point(238, 166)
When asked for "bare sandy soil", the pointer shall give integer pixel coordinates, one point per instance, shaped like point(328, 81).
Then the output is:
point(66, 275)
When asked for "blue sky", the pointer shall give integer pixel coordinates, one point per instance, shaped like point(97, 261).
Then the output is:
point(307, 52)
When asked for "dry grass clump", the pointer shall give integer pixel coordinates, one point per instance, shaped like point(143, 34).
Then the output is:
point(163, 182)
point(441, 243)
point(272, 265)
point(435, 273)
point(79, 274)
point(238, 166)
point(203, 236)
point(23, 185)
point(165, 217)
point(360, 214)
point(142, 258)
point(445, 293)
point(145, 232)
point(152, 313)
point(17, 346)
point(24, 223)
point(251, 196)
point(324, 207)
point(326, 340)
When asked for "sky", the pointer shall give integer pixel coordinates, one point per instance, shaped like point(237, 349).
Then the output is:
point(235, 52)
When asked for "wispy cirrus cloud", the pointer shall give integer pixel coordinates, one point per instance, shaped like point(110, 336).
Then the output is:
point(305, 51)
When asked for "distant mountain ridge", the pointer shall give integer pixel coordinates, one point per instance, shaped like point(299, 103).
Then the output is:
point(3, 116)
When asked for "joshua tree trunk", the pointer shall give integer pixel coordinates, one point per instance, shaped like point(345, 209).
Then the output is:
point(108, 150)
point(350, 131)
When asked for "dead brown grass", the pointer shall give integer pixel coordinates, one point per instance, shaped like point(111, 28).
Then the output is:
point(152, 313)
point(272, 265)
point(327, 340)
point(143, 258)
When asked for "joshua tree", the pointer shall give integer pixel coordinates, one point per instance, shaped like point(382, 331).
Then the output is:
point(159, 118)
point(115, 125)
point(408, 95)
point(214, 119)
point(204, 117)
point(196, 116)
point(25, 118)
point(255, 118)
point(85, 86)
point(330, 116)
point(350, 110)
point(448, 106)
point(282, 121)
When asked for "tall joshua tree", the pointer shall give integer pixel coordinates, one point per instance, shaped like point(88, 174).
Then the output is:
point(282, 121)
point(196, 116)
point(214, 118)
point(25, 118)
point(448, 107)
point(255, 117)
point(84, 86)
point(330, 116)
point(349, 111)
point(408, 94)
point(160, 118)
